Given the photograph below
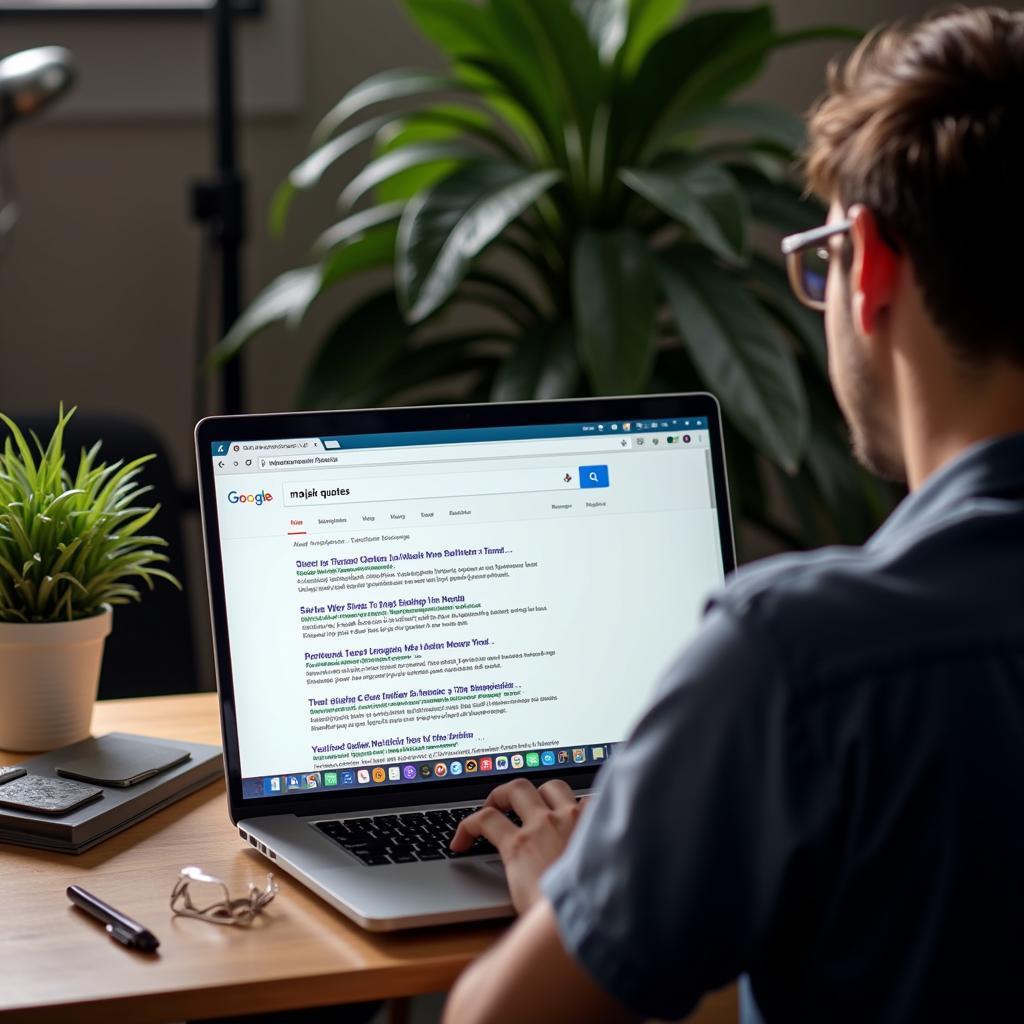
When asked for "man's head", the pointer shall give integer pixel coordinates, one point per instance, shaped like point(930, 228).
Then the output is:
point(919, 142)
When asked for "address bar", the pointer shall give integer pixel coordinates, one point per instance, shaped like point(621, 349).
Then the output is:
point(420, 454)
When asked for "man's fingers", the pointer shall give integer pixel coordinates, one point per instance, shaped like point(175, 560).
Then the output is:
point(557, 793)
point(519, 796)
point(487, 822)
point(528, 802)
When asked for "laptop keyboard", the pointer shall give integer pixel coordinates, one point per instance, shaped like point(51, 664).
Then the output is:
point(405, 838)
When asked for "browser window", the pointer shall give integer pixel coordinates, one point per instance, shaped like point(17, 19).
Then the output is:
point(411, 607)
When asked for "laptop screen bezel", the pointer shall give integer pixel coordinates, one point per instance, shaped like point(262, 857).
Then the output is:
point(273, 426)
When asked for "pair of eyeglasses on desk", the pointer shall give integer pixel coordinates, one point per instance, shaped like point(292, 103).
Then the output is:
point(197, 894)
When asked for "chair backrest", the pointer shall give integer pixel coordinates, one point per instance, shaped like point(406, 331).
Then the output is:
point(152, 649)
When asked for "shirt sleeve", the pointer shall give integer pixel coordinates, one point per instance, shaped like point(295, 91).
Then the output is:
point(682, 866)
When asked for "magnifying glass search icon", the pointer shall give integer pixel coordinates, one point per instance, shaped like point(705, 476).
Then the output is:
point(593, 476)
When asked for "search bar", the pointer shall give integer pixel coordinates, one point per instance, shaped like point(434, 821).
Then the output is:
point(445, 485)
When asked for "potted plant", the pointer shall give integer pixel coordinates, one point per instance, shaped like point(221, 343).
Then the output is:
point(71, 541)
point(584, 178)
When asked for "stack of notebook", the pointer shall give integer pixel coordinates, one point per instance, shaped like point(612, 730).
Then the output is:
point(72, 798)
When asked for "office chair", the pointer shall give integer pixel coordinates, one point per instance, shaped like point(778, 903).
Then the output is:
point(151, 650)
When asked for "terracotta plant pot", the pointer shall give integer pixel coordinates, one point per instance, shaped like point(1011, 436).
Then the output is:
point(49, 677)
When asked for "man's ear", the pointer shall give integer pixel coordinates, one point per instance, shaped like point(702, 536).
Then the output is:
point(874, 271)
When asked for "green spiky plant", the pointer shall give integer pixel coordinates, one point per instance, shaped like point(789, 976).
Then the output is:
point(584, 174)
point(70, 543)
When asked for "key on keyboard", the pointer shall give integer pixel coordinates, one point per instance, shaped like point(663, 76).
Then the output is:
point(405, 838)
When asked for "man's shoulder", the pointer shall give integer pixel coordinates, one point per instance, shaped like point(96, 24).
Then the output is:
point(770, 585)
point(848, 608)
point(801, 582)
point(805, 605)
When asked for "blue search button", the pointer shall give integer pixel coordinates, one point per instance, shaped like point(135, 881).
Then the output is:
point(593, 476)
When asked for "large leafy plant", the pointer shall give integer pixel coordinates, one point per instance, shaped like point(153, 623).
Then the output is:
point(70, 542)
point(583, 176)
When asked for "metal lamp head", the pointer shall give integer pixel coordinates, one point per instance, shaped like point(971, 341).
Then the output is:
point(31, 79)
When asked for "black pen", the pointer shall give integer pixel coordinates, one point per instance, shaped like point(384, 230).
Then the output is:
point(120, 927)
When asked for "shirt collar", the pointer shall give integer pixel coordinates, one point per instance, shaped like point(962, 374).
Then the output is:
point(990, 468)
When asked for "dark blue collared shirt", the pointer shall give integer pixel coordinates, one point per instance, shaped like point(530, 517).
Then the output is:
point(827, 794)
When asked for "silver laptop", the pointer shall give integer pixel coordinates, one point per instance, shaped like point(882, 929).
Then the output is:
point(411, 606)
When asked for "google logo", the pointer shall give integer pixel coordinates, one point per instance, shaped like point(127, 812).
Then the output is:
point(249, 499)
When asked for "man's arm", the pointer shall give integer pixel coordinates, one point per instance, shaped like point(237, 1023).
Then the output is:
point(529, 976)
point(674, 880)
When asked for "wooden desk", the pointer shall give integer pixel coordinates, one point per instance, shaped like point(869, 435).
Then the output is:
point(57, 964)
point(301, 953)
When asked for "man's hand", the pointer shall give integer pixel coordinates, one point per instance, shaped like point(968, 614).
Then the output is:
point(549, 815)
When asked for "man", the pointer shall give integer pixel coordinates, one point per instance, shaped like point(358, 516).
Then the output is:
point(826, 796)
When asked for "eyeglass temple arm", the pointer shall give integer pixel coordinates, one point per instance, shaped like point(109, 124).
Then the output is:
point(794, 243)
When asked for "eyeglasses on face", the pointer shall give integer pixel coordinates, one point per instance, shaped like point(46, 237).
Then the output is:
point(807, 259)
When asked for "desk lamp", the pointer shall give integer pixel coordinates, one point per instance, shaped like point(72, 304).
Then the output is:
point(29, 81)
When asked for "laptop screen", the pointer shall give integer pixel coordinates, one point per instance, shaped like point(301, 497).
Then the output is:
point(419, 606)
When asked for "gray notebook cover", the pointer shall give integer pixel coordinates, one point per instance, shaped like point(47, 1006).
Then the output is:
point(117, 808)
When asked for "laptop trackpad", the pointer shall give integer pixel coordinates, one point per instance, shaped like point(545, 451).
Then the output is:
point(480, 865)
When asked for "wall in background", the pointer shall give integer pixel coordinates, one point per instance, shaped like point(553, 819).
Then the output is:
point(98, 288)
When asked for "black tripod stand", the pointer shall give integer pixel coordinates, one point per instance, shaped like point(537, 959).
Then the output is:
point(218, 203)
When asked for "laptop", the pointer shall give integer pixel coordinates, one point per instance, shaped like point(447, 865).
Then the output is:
point(413, 605)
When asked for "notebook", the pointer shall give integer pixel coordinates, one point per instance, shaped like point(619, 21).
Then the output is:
point(170, 769)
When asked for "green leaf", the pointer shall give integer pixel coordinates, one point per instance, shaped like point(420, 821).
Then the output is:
point(520, 63)
point(771, 285)
point(778, 203)
point(506, 80)
point(390, 164)
point(287, 297)
point(309, 172)
point(648, 20)
point(446, 228)
point(543, 366)
point(841, 33)
point(491, 84)
point(700, 194)
point(615, 303)
point(762, 121)
point(607, 23)
point(356, 224)
point(506, 291)
point(457, 356)
point(739, 353)
point(358, 349)
point(439, 124)
point(375, 248)
point(380, 88)
point(764, 158)
point(459, 28)
point(445, 121)
point(513, 93)
point(63, 538)
point(695, 65)
point(746, 489)
point(565, 61)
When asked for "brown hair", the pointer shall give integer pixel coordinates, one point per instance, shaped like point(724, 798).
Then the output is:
point(924, 124)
